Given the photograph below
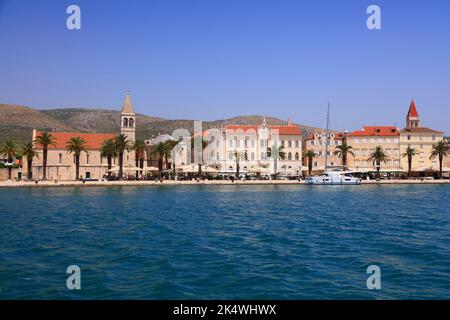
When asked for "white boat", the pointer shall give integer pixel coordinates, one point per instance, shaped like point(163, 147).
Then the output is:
point(333, 178)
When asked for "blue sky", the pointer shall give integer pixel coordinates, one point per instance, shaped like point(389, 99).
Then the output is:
point(214, 59)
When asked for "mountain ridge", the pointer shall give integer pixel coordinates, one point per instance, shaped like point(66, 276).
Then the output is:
point(18, 122)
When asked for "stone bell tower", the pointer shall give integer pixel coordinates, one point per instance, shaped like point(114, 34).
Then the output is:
point(128, 119)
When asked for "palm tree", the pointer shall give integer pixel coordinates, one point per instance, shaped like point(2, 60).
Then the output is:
point(169, 154)
point(76, 145)
point(139, 148)
point(204, 144)
point(439, 150)
point(410, 153)
point(310, 155)
point(108, 150)
point(30, 152)
point(10, 149)
point(45, 140)
point(343, 150)
point(238, 156)
point(159, 151)
point(122, 144)
point(378, 156)
point(277, 153)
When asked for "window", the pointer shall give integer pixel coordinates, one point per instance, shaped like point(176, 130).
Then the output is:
point(396, 140)
point(125, 122)
point(263, 156)
point(217, 156)
point(364, 140)
point(296, 143)
point(253, 143)
point(388, 140)
point(356, 141)
point(356, 163)
point(296, 155)
point(252, 156)
point(372, 140)
point(380, 140)
point(396, 152)
point(230, 143)
point(320, 153)
point(289, 156)
point(261, 143)
point(408, 137)
point(315, 164)
point(246, 142)
point(87, 158)
point(131, 122)
point(312, 142)
point(60, 158)
point(290, 144)
point(230, 156)
point(282, 143)
point(217, 143)
point(433, 137)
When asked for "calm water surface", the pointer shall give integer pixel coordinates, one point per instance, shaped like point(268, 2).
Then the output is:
point(225, 242)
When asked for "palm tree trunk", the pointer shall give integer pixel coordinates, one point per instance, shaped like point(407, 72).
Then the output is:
point(344, 159)
point(10, 160)
point(237, 170)
point(160, 167)
point(30, 169)
point(121, 165)
point(199, 170)
point(441, 158)
point(378, 170)
point(44, 163)
point(137, 164)
point(77, 167)
point(309, 166)
point(109, 165)
point(409, 166)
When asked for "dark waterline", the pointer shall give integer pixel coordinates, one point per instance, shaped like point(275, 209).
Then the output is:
point(226, 242)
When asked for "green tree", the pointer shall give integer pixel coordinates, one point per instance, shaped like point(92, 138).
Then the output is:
point(439, 150)
point(140, 148)
point(310, 155)
point(122, 144)
point(158, 152)
point(108, 150)
point(76, 146)
point(238, 157)
point(378, 156)
point(45, 139)
point(410, 153)
point(10, 149)
point(29, 152)
point(276, 153)
point(343, 150)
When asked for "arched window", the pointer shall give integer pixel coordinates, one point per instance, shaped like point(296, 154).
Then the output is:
point(252, 156)
point(230, 156)
point(125, 122)
point(131, 122)
point(262, 155)
point(296, 156)
point(217, 156)
point(289, 156)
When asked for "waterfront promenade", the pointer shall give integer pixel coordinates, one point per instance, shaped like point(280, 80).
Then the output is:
point(13, 184)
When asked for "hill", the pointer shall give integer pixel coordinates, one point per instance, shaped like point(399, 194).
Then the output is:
point(19, 121)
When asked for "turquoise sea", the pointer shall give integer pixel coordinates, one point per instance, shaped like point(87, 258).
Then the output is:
point(226, 242)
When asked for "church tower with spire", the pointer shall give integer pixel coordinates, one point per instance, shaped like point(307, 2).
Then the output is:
point(128, 119)
point(412, 118)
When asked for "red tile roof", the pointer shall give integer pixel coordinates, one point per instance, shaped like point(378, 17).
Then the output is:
point(412, 112)
point(419, 130)
point(376, 131)
point(282, 130)
point(93, 140)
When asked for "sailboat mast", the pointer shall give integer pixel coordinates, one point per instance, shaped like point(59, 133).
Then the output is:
point(327, 141)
